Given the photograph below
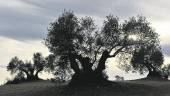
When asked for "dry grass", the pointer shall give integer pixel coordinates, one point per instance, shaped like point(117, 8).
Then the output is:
point(127, 88)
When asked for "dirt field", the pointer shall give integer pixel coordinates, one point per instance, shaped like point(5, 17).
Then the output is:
point(126, 88)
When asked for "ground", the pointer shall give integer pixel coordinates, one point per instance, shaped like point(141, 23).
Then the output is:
point(124, 88)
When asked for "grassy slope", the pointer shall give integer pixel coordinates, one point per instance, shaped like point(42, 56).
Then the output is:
point(128, 88)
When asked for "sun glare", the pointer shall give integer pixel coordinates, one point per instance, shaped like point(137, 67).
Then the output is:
point(133, 37)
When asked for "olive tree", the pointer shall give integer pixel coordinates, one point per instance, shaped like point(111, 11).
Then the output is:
point(148, 59)
point(86, 48)
point(17, 66)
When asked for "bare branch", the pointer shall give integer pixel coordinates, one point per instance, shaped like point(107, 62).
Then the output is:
point(114, 47)
point(119, 50)
point(95, 57)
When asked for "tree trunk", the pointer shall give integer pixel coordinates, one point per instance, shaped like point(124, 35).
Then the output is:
point(87, 75)
point(153, 73)
point(27, 74)
point(36, 74)
point(74, 65)
point(85, 62)
point(101, 65)
point(29, 77)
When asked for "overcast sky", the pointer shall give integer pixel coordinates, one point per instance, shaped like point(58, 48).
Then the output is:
point(24, 23)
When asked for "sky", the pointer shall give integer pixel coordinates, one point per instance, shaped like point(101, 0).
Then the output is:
point(24, 23)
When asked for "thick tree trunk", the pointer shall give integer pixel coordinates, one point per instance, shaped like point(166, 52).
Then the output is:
point(86, 75)
point(85, 62)
point(29, 77)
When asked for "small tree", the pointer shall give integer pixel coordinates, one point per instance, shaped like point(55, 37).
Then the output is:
point(17, 66)
point(166, 71)
point(149, 59)
point(39, 64)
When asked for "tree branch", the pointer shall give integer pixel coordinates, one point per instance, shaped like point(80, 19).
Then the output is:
point(114, 47)
point(117, 52)
point(25, 71)
point(38, 71)
point(95, 57)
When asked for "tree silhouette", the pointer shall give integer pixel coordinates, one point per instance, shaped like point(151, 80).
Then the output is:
point(17, 66)
point(58, 67)
point(166, 71)
point(78, 42)
point(148, 59)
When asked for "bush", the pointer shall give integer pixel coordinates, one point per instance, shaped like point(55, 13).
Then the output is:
point(119, 78)
point(16, 81)
point(19, 78)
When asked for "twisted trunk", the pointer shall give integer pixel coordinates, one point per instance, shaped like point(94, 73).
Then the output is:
point(27, 74)
point(30, 74)
point(152, 71)
point(87, 74)
point(85, 62)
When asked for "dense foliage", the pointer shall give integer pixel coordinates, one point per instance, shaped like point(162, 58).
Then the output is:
point(148, 58)
point(78, 43)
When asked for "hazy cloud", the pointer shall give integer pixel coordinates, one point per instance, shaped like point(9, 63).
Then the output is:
point(23, 49)
point(29, 19)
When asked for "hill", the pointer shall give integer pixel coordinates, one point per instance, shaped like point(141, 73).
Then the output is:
point(126, 88)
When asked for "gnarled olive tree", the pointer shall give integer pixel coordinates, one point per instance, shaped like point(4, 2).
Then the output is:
point(148, 58)
point(17, 66)
point(85, 47)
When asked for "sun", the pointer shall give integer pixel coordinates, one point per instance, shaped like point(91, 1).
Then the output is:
point(133, 37)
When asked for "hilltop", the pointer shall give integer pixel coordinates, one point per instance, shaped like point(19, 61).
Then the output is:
point(126, 88)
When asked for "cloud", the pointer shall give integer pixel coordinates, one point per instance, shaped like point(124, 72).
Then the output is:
point(166, 59)
point(112, 70)
point(22, 21)
point(24, 50)
point(157, 10)
point(29, 19)
point(166, 49)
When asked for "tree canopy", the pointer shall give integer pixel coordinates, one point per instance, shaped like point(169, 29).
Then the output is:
point(85, 48)
point(17, 66)
point(149, 59)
